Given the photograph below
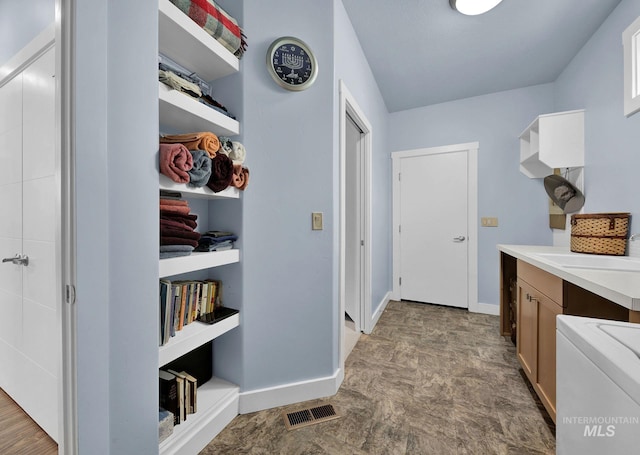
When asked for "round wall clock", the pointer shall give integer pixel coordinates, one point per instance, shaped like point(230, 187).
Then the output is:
point(291, 63)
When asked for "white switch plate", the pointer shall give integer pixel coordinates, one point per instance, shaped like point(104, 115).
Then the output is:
point(316, 221)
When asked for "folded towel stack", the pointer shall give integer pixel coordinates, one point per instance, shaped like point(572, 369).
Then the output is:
point(177, 228)
point(216, 241)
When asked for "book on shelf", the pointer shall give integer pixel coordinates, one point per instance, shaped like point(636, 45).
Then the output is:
point(182, 383)
point(169, 394)
point(184, 301)
point(193, 392)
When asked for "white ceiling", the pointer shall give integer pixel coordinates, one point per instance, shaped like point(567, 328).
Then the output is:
point(422, 52)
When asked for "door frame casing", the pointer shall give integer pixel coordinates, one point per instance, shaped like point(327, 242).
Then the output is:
point(349, 106)
point(471, 148)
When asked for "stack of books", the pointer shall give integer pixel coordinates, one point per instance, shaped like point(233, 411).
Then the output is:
point(178, 394)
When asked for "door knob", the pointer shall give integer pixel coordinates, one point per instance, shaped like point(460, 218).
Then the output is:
point(460, 238)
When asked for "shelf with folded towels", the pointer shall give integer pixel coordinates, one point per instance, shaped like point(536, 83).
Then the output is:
point(202, 192)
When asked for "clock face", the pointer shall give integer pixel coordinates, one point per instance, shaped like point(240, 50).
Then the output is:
point(291, 63)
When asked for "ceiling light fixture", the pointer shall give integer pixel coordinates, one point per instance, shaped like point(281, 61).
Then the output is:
point(473, 7)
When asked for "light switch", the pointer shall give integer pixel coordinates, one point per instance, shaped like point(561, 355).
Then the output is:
point(316, 221)
point(489, 222)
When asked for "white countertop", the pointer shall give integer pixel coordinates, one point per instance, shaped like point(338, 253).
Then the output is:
point(620, 287)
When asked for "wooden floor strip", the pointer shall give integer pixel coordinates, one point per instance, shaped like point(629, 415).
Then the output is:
point(19, 434)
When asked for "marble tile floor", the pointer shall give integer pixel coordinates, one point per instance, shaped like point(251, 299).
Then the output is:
point(428, 380)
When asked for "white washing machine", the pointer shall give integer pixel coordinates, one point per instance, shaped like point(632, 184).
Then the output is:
point(597, 387)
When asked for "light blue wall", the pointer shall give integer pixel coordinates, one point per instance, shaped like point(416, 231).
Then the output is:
point(495, 121)
point(353, 69)
point(116, 140)
point(288, 299)
point(594, 81)
point(20, 22)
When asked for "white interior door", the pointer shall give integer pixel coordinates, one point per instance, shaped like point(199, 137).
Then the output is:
point(354, 234)
point(434, 228)
point(29, 335)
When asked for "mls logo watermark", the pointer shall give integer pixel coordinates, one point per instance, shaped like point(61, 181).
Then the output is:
point(598, 431)
point(591, 435)
point(600, 426)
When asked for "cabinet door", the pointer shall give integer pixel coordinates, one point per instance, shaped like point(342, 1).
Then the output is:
point(526, 330)
point(546, 372)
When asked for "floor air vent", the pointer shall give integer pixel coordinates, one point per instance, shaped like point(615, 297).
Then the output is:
point(309, 416)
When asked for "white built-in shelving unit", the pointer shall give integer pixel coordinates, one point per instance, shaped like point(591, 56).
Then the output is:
point(188, 45)
point(552, 141)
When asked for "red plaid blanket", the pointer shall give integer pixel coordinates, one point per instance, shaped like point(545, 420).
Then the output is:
point(216, 22)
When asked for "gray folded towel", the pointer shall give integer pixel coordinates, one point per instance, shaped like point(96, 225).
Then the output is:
point(201, 172)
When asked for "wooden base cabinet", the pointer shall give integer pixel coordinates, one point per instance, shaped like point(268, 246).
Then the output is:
point(536, 341)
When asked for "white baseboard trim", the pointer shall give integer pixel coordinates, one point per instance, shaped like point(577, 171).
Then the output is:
point(295, 392)
point(488, 308)
point(376, 316)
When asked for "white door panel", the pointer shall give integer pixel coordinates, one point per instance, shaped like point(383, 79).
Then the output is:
point(38, 394)
point(433, 192)
point(11, 203)
point(40, 277)
point(39, 118)
point(11, 320)
point(39, 330)
point(39, 201)
point(11, 131)
point(10, 274)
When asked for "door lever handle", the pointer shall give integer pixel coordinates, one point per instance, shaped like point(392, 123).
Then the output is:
point(22, 260)
point(460, 238)
point(18, 260)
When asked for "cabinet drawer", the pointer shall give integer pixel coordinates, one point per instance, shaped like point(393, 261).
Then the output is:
point(550, 285)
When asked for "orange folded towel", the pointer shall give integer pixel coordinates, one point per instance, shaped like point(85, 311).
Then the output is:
point(195, 141)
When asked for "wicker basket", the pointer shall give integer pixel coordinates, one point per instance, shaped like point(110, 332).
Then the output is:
point(600, 233)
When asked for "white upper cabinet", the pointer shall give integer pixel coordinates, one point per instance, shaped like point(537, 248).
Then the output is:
point(552, 141)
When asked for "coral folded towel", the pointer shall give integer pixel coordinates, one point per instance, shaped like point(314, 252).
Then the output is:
point(240, 176)
point(174, 209)
point(175, 162)
point(195, 141)
point(177, 202)
point(221, 173)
